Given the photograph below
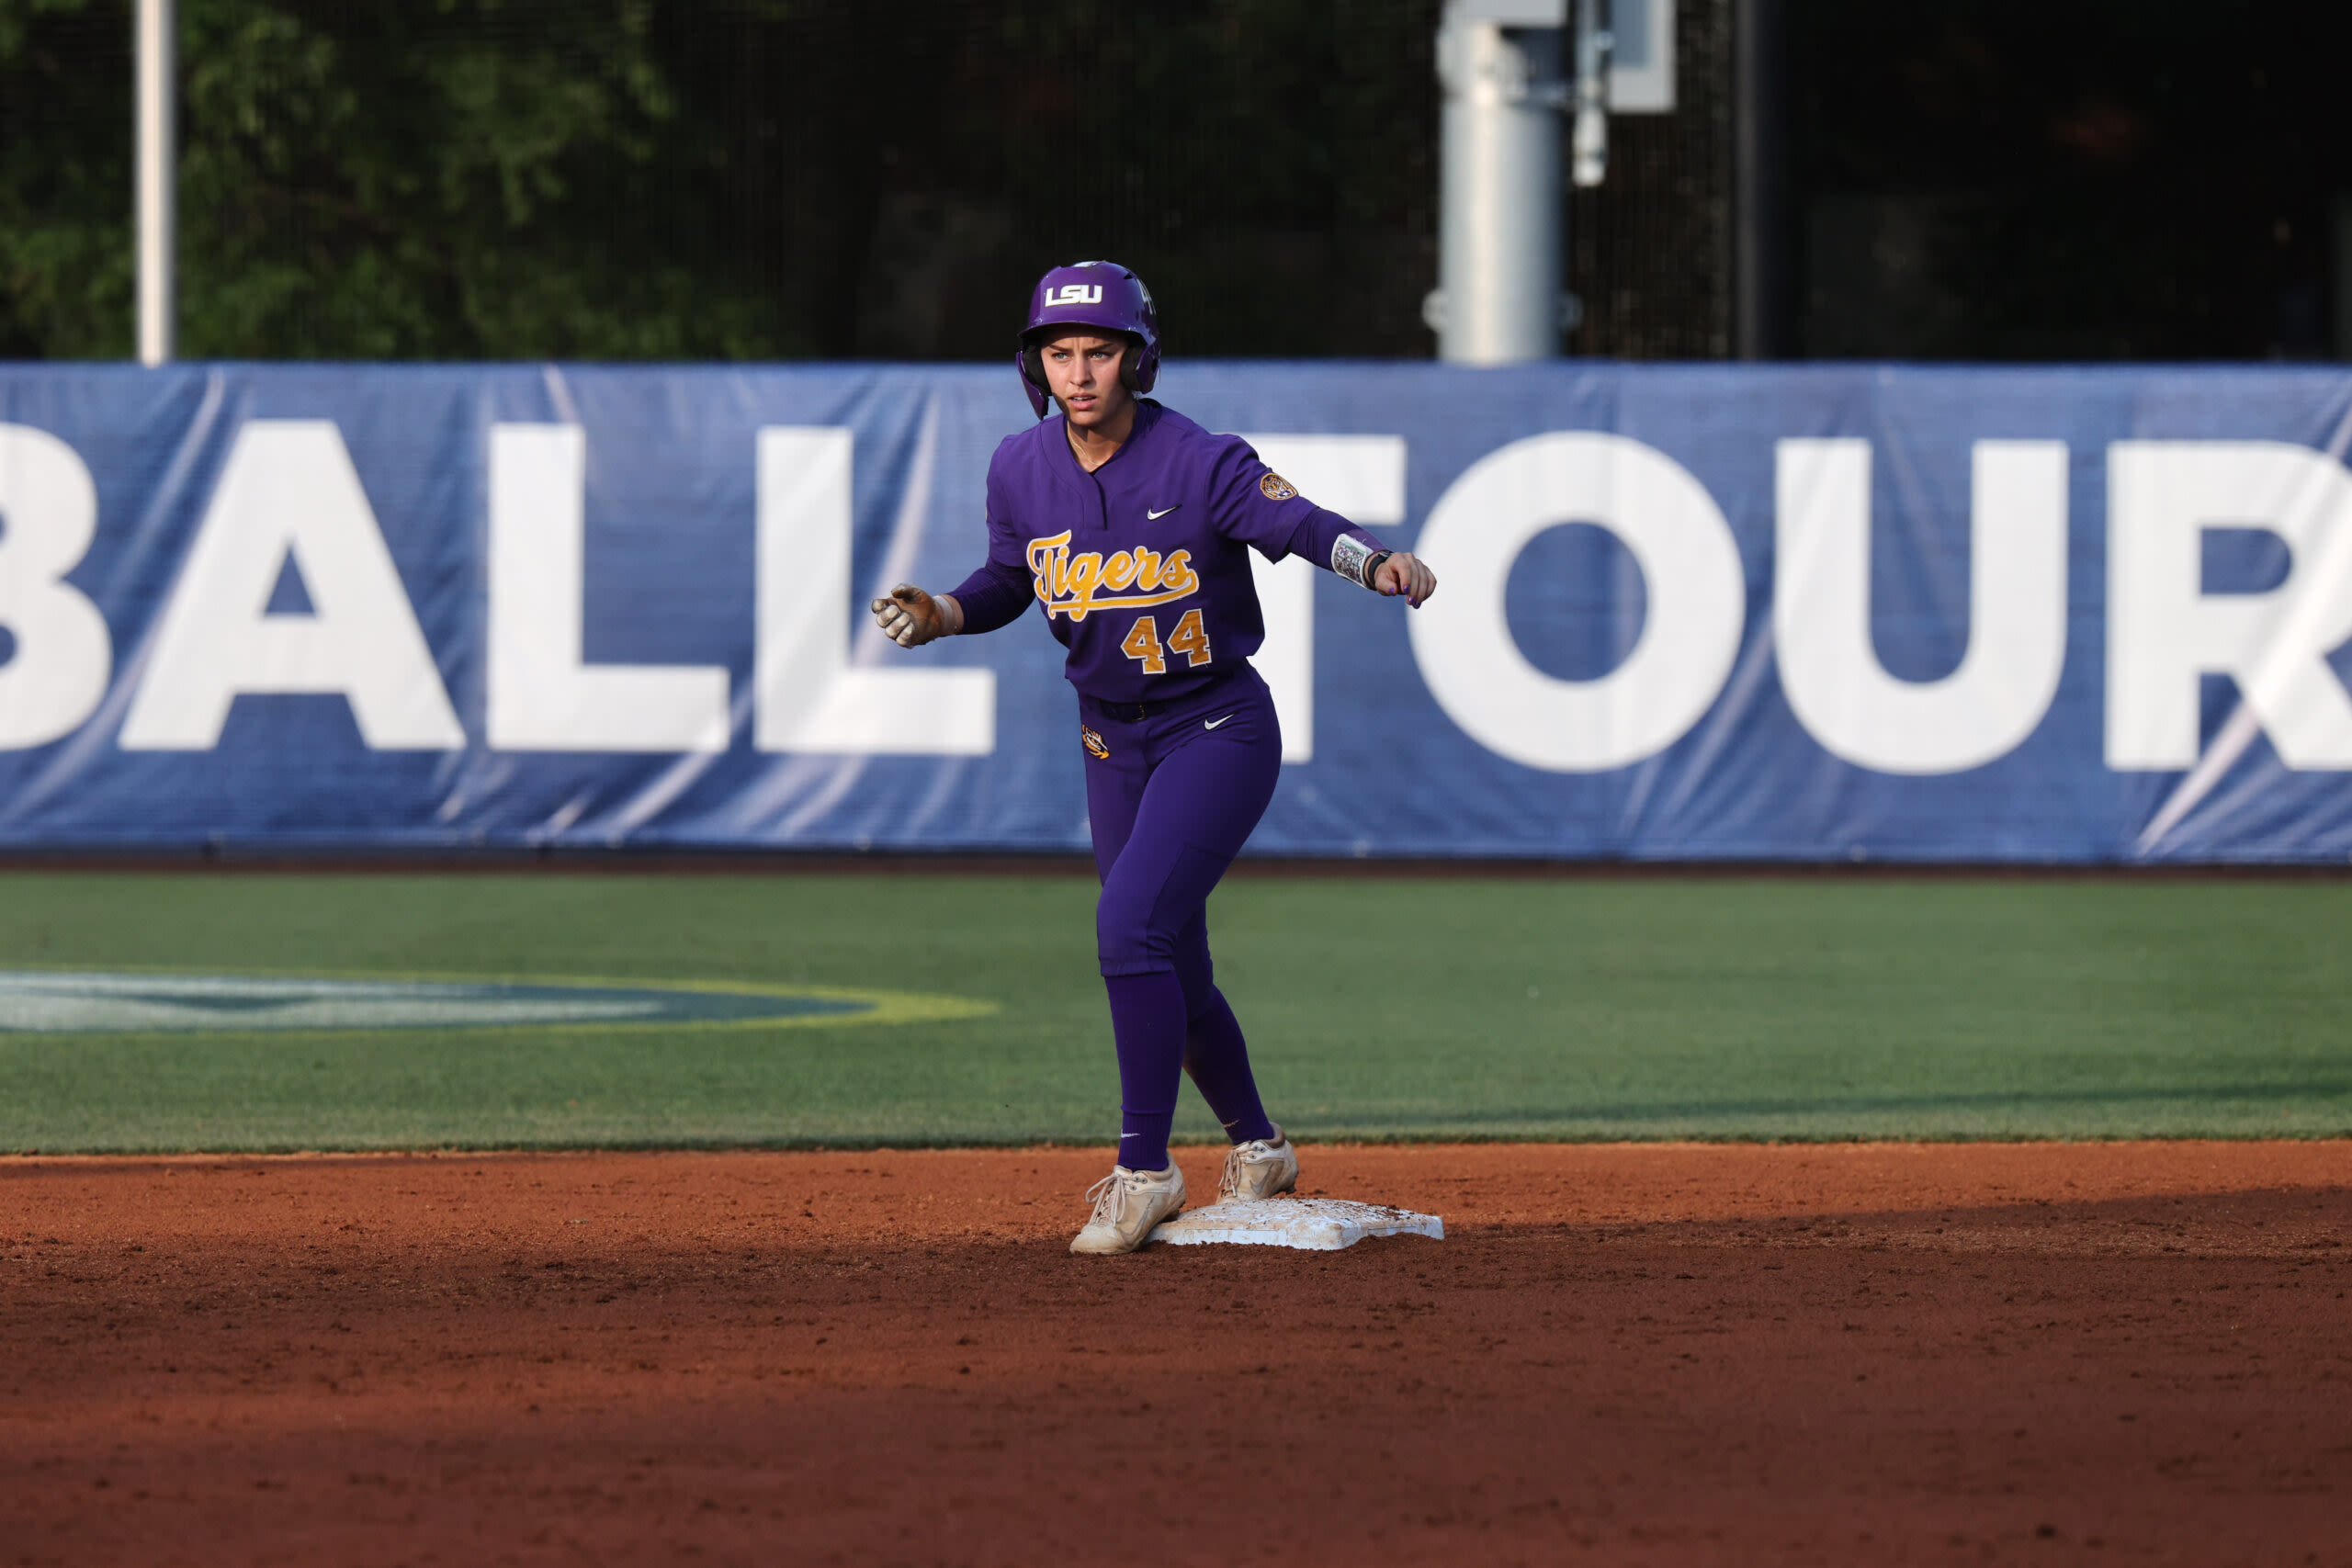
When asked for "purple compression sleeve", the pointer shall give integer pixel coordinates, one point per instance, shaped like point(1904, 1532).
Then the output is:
point(1156, 1038)
point(992, 597)
point(1148, 1021)
point(1218, 1059)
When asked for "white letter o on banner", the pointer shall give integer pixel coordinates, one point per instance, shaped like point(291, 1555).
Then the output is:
point(1697, 602)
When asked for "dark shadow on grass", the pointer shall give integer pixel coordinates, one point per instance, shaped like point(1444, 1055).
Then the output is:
point(2301, 1095)
point(2039, 1115)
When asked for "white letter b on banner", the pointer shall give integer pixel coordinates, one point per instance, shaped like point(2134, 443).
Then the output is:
point(48, 510)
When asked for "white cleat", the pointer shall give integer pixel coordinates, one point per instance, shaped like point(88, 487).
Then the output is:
point(1128, 1204)
point(1259, 1169)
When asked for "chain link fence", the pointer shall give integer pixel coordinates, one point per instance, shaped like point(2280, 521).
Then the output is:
point(783, 179)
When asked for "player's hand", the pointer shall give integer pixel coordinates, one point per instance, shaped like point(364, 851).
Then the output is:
point(1404, 573)
point(912, 617)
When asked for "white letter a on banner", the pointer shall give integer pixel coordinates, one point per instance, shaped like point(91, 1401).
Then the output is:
point(289, 488)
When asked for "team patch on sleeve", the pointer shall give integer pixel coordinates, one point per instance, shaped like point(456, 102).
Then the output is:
point(1348, 556)
point(1094, 746)
point(1273, 487)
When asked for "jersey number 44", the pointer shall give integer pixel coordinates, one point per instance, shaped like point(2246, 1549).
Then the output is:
point(1189, 639)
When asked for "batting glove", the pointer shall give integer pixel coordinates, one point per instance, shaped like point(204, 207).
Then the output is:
point(912, 617)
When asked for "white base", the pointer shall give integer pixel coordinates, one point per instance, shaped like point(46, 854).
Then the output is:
point(1311, 1224)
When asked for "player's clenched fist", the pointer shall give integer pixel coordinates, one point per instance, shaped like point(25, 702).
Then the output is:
point(1404, 573)
point(912, 617)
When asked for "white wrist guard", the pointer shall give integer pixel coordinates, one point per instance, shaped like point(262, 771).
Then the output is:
point(1355, 561)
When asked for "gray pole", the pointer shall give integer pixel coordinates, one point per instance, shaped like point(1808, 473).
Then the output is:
point(1501, 217)
point(1589, 165)
point(158, 168)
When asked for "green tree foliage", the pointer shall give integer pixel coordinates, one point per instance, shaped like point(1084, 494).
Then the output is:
point(654, 179)
point(374, 179)
point(65, 261)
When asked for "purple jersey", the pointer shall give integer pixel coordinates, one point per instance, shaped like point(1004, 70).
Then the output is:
point(1142, 567)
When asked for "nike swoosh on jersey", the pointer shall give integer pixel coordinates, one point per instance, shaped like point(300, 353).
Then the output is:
point(1213, 723)
point(1151, 516)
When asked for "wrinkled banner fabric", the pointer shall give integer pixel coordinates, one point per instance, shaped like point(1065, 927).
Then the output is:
point(1713, 613)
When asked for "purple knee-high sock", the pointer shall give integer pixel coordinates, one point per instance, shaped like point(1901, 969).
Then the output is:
point(1148, 1021)
point(1218, 1059)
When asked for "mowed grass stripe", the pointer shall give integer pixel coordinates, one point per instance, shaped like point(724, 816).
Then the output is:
point(1377, 1008)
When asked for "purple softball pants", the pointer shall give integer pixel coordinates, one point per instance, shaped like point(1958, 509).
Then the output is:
point(1171, 798)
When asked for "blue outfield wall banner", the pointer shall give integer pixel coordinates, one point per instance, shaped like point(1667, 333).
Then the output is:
point(1799, 612)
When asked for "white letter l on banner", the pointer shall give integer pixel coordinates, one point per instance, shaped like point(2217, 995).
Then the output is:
point(808, 697)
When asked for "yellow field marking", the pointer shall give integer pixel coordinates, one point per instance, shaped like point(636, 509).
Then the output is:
point(883, 1007)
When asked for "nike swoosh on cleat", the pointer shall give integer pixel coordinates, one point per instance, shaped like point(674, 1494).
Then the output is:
point(1213, 723)
point(1151, 516)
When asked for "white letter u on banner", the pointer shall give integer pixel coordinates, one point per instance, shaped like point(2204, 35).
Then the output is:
point(2016, 615)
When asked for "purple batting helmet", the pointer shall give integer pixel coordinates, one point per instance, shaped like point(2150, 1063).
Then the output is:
point(1097, 294)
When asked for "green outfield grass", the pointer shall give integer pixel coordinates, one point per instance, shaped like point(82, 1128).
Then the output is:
point(1379, 1008)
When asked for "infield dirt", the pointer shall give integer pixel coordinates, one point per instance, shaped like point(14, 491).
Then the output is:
point(1661, 1354)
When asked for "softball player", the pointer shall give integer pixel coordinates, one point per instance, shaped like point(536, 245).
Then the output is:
point(1130, 524)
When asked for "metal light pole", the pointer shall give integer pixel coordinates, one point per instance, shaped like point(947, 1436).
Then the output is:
point(1591, 99)
point(1502, 223)
point(157, 177)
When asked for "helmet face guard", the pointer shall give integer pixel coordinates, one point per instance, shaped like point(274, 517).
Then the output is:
point(1098, 294)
